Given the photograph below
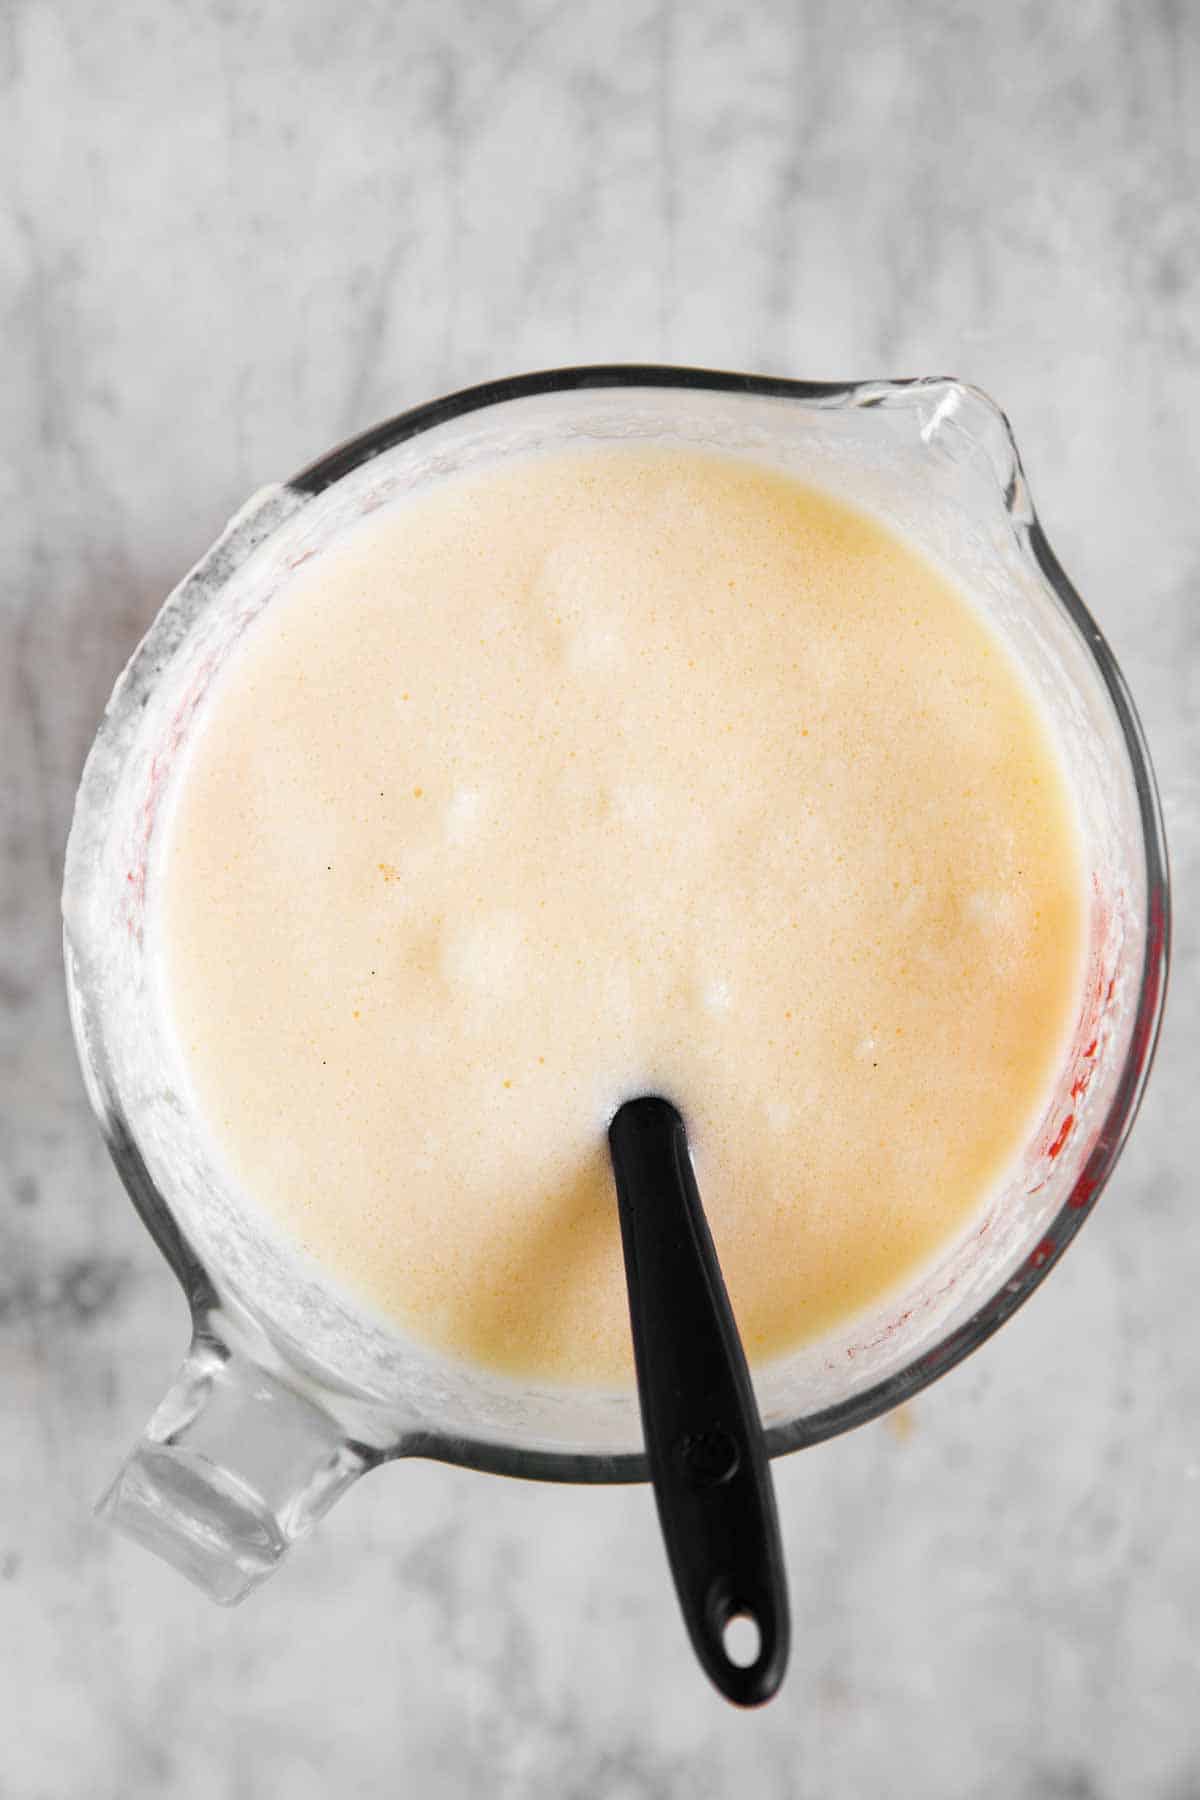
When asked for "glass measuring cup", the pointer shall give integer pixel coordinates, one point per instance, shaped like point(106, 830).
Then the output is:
point(291, 1390)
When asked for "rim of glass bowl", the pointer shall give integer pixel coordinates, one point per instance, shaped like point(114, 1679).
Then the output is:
point(944, 1355)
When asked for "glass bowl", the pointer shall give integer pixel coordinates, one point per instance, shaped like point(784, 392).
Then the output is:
point(291, 1390)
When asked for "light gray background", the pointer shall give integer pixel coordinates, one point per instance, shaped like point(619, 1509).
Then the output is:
point(231, 235)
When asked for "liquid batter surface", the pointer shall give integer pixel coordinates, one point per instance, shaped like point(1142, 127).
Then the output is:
point(614, 771)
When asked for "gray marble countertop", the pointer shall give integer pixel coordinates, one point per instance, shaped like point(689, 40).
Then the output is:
point(230, 236)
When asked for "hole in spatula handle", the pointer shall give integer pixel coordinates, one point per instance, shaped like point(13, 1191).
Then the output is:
point(704, 1440)
point(743, 1640)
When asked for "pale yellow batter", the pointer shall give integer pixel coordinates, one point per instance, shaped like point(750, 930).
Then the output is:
point(616, 771)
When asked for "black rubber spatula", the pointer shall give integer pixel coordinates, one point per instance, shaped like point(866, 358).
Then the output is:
point(704, 1439)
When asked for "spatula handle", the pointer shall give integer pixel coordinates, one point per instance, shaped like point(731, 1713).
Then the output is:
point(704, 1440)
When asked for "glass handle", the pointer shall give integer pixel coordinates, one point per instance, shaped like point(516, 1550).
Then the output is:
point(234, 1468)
